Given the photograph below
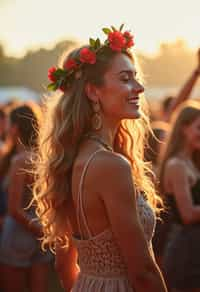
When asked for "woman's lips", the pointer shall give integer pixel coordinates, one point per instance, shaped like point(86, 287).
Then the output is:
point(133, 100)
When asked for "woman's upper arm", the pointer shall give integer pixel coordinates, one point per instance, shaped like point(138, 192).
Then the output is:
point(118, 194)
point(66, 265)
point(16, 185)
point(66, 258)
point(179, 181)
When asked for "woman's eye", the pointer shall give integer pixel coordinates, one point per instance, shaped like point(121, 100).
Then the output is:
point(125, 78)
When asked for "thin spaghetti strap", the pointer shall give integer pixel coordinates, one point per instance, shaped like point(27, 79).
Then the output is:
point(80, 214)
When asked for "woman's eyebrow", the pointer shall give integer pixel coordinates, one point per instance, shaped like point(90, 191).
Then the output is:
point(130, 72)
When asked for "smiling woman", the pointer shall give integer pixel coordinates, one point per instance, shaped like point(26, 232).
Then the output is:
point(92, 190)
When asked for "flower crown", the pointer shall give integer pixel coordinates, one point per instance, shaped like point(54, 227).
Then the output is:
point(117, 41)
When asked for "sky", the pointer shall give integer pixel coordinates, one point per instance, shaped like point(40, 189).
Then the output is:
point(30, 24)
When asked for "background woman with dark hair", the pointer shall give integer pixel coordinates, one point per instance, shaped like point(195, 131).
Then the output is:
point(180, 185)
point(22, 260)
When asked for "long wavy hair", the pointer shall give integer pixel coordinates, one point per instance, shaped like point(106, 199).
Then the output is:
point(185, 115)
point(67, 118)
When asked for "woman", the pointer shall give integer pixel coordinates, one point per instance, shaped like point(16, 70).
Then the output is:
point(180, 182)
point(22, 261)
point(87, 178)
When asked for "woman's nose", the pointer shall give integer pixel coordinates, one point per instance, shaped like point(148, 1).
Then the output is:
point(138, 87)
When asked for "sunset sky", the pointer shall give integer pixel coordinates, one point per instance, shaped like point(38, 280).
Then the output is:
point(29, 24)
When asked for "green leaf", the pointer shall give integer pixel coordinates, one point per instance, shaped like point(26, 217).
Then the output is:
point(59, 72)
point(97, 43)
point(106, 30)
point(61, 81)
point(113, 28)
point(52, 86)
point(121, 26)
point(92, 42)
point(93, 49)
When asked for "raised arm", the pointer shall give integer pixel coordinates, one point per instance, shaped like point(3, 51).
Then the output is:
point(186, 90)
point(118, 194)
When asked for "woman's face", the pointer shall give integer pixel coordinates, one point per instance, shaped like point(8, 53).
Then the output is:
point(12, 130)
point(192, 134)
point(119, 95)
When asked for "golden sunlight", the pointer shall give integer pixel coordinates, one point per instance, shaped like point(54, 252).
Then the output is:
point(31, 24)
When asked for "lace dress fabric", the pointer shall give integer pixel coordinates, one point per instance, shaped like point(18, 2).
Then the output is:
point(102, 268)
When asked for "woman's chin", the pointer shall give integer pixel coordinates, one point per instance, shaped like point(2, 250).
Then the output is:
point(134, 114)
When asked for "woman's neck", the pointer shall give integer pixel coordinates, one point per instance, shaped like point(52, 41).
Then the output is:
point(109, 130)
point(186, 153)
point(107, 135)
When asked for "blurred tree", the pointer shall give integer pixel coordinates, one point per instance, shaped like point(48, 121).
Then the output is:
point(2, 55)
point(170, 66)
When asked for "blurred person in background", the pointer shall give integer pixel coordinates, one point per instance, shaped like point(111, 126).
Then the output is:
point(170, 103)
point(152, 152)
point(22, 262)
point(3, 123)
point(154, 143)
point(7, 151)
point(180, 188)
point(3, 120)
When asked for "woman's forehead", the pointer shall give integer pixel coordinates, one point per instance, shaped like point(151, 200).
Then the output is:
point(122, 63)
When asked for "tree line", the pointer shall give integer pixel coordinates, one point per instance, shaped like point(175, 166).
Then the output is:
point(169, 66)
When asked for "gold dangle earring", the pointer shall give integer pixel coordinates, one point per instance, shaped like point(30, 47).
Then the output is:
point(96, 118)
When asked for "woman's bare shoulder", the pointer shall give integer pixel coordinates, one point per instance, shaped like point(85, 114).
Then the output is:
point(175, 163)
point(176, 169)
point(113, 175)
point(110, 161)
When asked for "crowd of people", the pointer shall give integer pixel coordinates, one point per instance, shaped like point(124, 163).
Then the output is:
point(92, 182)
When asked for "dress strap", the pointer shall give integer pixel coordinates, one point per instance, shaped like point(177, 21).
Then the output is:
point(81, 217)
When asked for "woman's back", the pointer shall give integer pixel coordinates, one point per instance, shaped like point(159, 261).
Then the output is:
point(91, 188)
point(100, 259)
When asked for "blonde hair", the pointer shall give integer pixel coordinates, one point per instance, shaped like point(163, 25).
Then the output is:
point(185, 115)
point(67, 117)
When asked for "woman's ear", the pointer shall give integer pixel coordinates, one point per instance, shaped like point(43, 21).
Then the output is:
point(92, 92)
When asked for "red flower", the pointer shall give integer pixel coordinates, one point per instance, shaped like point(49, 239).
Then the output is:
point(116, 41)
point(70, 64)
point(87, 56)
point(129, 39)
point(51, 75)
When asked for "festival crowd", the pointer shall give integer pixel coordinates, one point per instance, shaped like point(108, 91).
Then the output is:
point(172, 154)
